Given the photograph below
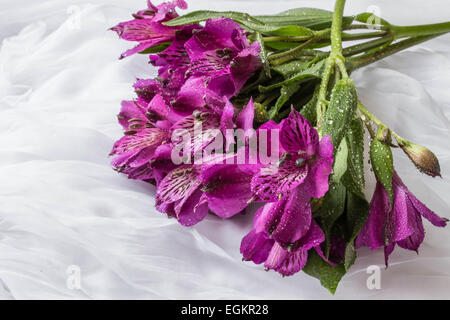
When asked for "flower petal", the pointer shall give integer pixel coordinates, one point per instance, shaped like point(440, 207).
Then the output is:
point(284, 262)
point(297, 134)
point(256, 247)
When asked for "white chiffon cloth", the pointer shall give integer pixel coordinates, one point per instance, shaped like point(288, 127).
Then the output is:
point(62, 208)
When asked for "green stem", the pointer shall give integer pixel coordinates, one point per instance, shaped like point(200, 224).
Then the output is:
point(367, 115)
point(336, 27)
point(282, 57)
point(421, 30)
point(363, 47)
point(336, 53)
point(364, 60)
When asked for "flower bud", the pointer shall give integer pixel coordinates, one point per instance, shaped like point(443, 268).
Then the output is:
point(260, 113)
point(424, 159)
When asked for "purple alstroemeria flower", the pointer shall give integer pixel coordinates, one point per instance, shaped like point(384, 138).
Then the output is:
point(402, 225)
point(220, 54)
point(284, 229)
point(174, 61)
point(301, 173)
point(189, 191)
point(147, 28)
point(258, 247)
point(146, 132)
point(214, 117)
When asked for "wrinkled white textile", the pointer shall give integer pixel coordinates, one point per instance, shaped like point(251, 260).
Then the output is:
point(63, 208)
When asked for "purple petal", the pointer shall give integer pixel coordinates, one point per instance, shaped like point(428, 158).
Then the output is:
point(245, 118)
point(372, 234)
point(179, 184)
point(191, 210)
point(297, 134)
point(256, 247)
point(288, 219)
point(273, 181)
point(227, 189)
point(284, 262)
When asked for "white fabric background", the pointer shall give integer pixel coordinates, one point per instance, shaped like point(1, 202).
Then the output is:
point(60, 203)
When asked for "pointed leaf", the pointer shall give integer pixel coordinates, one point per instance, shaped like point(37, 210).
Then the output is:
point(285, 93)
point(383, 165)
point(332, 208)
point(354, 178)
point(357, 210)
point(329, 276)
point(316, 19)
point(340, 111)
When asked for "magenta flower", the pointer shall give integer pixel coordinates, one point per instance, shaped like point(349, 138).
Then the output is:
point(402, 225)
point(258, 247)
point(174, 62)
point(213, 117)
point(305, 162)
point(147, 28)
point(144, 138)
point(221, 55)
point(284, 229)
point(189, 191)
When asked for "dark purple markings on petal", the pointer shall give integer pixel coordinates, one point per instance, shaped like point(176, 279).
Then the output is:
point(203, 127)
point(273, 181)
point(297, 134)
point(179, 184)
point(146, 138)
point(284, 262)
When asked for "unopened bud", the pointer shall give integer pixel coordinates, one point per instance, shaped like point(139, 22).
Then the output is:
point(260, 113)
point(424, 159)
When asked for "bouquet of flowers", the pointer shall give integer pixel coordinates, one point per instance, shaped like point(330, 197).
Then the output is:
point(262, 109)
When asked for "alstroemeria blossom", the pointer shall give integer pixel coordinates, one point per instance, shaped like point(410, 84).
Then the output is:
point(143, 137)
point(258, 247)
point(402, 225)
point(190, 191)
point(220, 54)
point(174, 61)
point(147, 27)
point(305, 162)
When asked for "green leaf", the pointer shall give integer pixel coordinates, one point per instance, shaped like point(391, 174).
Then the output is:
point(383, 165)
point(355, 165)
point(156, 49)
point(281, 45)
point(285, 93)
point(263, 55)
point(291, 68)
point(357, 210)
point(203, 15)
point(370, 18)
point(340, 161)
point(332, 208)
point(292, 31)
point(312, 18)
point(314, 71)
point(245, 20)
point(309, 109)
point(328, 275)
point(340, 111)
